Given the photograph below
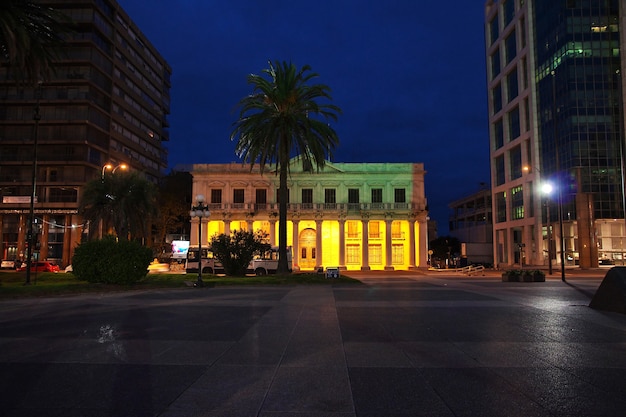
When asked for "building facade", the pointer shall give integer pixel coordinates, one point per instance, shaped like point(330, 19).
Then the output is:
point(354, 216)
point(471, 222)
point(106, 105)
point(555, 73)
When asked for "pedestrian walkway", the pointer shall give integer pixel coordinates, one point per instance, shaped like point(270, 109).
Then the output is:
point(400, 344)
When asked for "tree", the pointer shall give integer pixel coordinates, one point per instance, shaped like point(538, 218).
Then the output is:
point(174, 197)
point(235, 251)
point(124, 200)
point(445, 247)
point(30, 37)
point(280, 119)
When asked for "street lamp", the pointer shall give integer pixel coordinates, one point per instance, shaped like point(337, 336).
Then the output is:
point(546, 188)
point(200, 210)
point(112, 168)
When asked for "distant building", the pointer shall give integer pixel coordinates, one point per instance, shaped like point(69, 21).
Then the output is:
point(471, 223)
point(556, 72)
point(107, 103)
point(354, 216)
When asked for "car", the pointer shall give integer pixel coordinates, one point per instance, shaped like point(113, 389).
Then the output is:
point(41, 266)
point(10, 264)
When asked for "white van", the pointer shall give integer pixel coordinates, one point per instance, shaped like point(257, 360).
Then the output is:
point(268, 262)
point(210, 265)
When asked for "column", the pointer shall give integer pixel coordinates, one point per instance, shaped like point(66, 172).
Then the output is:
point(412, 244)
point(365, 261)
point(342, 244)
point(318, 244)
point(294, 241)
point(273, 232)
point(422, 225)
point(227, 227)
point(388, 254)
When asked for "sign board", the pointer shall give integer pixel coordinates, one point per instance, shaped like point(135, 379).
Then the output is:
point(17, 199)
point(180, 249)
point(332, 273)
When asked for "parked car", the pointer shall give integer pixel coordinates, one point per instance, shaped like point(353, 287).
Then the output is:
point(10, 264)
point(41, 266)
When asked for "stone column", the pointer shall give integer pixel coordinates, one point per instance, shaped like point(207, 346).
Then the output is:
point(423, 241)
point(318, 244)
point(365, 261)
point(412, 243)
point(388, 252)
point(342, 243)
point(273, 232)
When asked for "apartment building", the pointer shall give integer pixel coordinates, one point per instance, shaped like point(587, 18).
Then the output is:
point(354, 216)
point(105, 106)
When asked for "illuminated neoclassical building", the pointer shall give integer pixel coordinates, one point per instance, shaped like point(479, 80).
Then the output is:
point(355, 216)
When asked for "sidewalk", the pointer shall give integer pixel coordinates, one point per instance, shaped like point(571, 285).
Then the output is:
point(402, 344)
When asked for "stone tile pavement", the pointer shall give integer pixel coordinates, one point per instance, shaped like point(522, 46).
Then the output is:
point(401, 344)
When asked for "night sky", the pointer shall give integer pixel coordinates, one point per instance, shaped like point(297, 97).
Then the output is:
point(409, 76)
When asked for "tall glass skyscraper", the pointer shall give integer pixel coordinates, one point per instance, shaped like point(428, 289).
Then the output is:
point(556, 114)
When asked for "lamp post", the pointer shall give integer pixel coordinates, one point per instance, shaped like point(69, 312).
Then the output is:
point(200, 210)
point(31, 218)
point(547, 189)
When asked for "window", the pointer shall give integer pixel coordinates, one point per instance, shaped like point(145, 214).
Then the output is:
point(495, 64)
point(517, 203)
point(216, 196)
point(307, 198)
point(375, 254)
point(514, 124)
point(510, 47)
point(396, 230)
point(330, 196)
point(496, 98)
point(353, 254)
point(515, 158)
point(494, 29)
point(377, 195)
point(353, 198)
point(498, 134)
point(238, 196)
point(353, 229)
point(374, 232)
point(509, 11)
point(512, 86)
point(501, 207)
point(261, 199)
point(399, 195)
point(397, 254)
point(499, 170)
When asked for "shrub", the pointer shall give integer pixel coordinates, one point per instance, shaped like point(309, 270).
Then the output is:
point(107, 261)
point(235, 251)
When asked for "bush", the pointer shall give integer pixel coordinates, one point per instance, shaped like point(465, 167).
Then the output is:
point(235, 251)
point(107, 261)
point(527, 275)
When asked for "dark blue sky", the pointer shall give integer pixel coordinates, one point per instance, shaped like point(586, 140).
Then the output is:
point(409, 76)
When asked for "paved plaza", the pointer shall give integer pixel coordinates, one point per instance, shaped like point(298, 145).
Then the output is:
point(399, 344)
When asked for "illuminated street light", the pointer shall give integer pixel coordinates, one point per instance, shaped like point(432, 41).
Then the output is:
point(112, 169)
point(200, 210)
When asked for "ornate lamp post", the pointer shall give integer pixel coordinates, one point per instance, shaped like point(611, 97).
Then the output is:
point(200, 210)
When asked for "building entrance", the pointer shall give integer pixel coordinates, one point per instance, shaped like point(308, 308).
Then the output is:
point(307, 255)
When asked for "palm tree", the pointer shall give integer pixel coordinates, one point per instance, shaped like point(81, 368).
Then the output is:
point(30, 36)
point(281, 119)
point(125, 200)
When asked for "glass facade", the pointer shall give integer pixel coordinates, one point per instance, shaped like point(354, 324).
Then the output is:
point(578, 87)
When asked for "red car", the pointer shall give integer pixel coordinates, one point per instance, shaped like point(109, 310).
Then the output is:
point(40, 267)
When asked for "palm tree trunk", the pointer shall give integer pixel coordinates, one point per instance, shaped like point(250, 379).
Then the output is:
point(283, 267)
